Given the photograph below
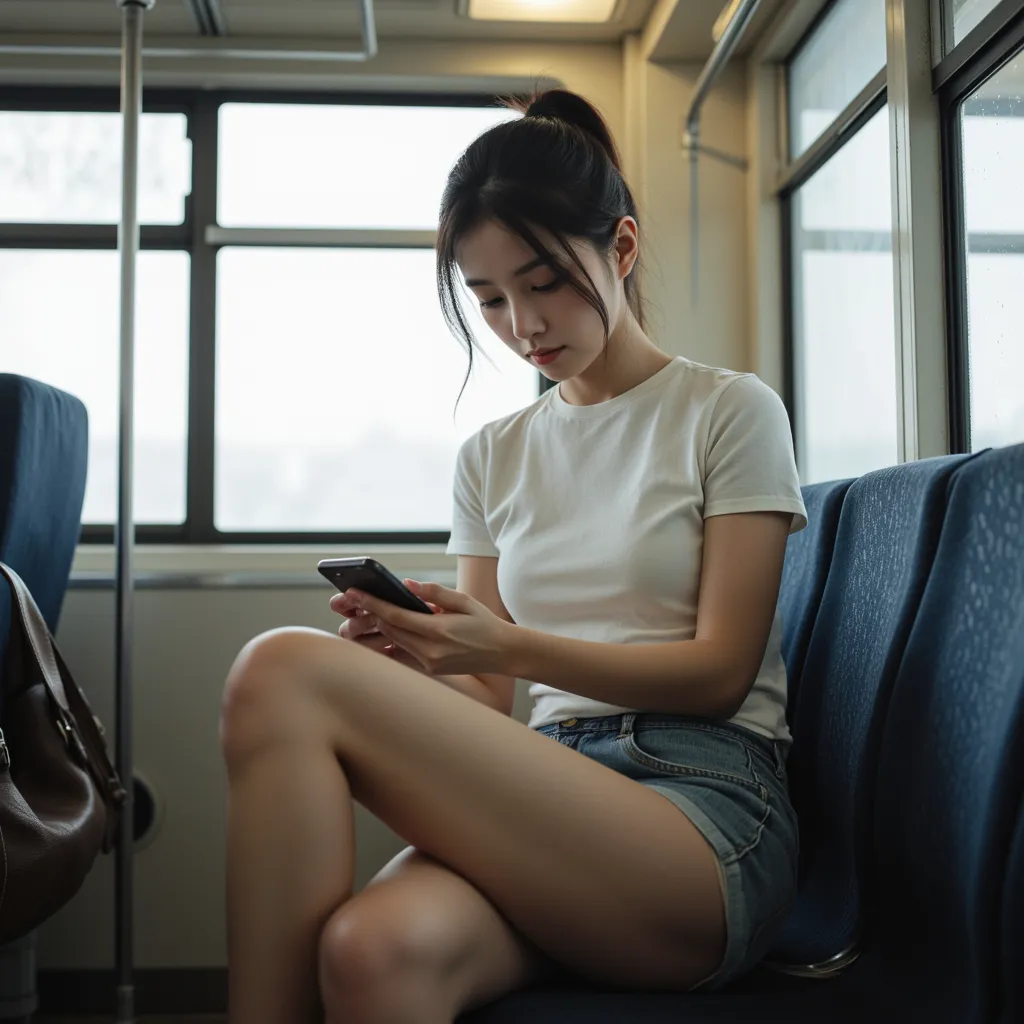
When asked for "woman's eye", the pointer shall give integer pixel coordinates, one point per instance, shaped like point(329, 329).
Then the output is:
point(492, 303)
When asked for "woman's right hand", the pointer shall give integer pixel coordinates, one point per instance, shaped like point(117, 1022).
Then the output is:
point(362, 627)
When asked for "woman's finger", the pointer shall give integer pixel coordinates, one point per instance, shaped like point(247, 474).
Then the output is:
point(344, 605)
point(403, 638)
point(413, 623)
point(376, 642)
point(353, 628)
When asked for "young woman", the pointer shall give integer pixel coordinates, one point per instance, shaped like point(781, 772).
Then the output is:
point(620, 545)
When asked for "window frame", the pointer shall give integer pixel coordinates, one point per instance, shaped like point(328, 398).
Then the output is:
point(995, 41)
point(797, 172)
point(201, 109)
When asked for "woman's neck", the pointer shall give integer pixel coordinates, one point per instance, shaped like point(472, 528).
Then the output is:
point(630, 358)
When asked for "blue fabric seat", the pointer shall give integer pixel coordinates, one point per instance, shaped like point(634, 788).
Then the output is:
point(887, 535)
point(951, 766)
point(808, 557)
point(911, 726)
point(1012, 932)
point(44, 439)
point(43, 456)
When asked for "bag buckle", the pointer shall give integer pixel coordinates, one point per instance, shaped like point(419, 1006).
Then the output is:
point(72, 741)
point(5, 754)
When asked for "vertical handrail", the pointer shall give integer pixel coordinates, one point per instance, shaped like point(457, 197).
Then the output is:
point(124, 528)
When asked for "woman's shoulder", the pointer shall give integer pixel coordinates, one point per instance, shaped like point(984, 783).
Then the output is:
point(718, 385)
point(710, 380)
point(503, 430)
point(513, 424)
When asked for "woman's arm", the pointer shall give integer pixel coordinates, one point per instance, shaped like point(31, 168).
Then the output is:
point(709, 676)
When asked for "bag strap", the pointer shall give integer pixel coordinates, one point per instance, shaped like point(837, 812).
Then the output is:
point(81, 730)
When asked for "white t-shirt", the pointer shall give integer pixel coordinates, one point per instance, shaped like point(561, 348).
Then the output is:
point(596, 514)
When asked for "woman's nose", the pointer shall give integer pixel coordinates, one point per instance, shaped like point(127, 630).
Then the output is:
point(526, 323)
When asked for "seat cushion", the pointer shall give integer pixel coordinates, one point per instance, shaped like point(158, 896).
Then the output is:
point(758, 998)
point(1012, 938)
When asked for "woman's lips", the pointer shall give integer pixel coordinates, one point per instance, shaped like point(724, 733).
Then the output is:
point(542, 356)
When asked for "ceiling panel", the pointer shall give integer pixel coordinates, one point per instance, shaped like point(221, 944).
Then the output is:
point(303, 19)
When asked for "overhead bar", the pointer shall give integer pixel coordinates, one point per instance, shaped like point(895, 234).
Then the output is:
point(214, 50)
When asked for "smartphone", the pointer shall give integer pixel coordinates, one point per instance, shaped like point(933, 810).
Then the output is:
point(367, 574)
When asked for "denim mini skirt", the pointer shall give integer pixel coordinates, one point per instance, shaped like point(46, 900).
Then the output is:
point(731, 783)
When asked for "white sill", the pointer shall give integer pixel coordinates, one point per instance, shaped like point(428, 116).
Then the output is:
point(250, 565)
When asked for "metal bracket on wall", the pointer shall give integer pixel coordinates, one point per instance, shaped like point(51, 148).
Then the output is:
point(740, 14)
point(208, 17)
point(695, 148)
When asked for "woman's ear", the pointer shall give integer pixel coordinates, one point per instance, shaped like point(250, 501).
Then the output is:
point(627, 246)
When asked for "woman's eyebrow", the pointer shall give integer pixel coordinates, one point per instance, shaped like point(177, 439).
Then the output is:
point(475, 282)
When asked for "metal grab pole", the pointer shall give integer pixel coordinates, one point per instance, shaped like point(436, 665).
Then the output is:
point(124, 529)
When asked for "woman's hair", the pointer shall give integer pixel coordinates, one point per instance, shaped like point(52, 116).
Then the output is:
point(556, 169)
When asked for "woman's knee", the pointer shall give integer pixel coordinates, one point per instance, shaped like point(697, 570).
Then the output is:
point(369, 964)
point(264, 692)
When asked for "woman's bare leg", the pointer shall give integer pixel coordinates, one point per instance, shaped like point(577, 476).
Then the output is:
point(310, 719)
point(290, 854)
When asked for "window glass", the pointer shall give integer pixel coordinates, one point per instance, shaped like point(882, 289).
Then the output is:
point(61, 325)
point(328, 166)
point(336, 386)
point(65, 167)
point(992, 123)
point(968, 14)
point(843, 54)
point(844, 321)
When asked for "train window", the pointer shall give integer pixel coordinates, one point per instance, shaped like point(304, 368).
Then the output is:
point(305, 340)
point(65, 167)
point(340, 166)
point(840, 56)
point(968, 14)
point(843, 313)
point(61, 311)
point(992, 127)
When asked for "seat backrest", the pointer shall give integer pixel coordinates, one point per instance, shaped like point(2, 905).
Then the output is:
point(808, 556)
point(1013, 930)
point(951, 763)
point(43, 458)
point(888, 531)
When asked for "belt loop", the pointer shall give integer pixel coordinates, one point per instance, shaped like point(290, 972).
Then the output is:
point(626, 728)
point(780, 761)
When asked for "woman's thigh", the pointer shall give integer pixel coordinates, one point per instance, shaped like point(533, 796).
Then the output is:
point(420, 921)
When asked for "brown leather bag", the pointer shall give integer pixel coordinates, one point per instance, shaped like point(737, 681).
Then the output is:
point(60, 796)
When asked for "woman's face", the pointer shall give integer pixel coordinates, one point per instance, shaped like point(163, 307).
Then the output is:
point(530, 308)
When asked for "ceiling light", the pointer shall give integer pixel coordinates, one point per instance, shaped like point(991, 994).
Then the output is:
point(539, 10)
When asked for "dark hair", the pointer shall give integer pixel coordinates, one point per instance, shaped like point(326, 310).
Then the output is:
point(556, 168)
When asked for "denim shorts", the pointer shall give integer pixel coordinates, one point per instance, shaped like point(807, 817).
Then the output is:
point(731, 783)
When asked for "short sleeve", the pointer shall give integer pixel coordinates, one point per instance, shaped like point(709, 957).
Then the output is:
point(749, 464)
point(470, 535)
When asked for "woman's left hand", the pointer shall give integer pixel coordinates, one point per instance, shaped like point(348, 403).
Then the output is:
point(463, 636)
